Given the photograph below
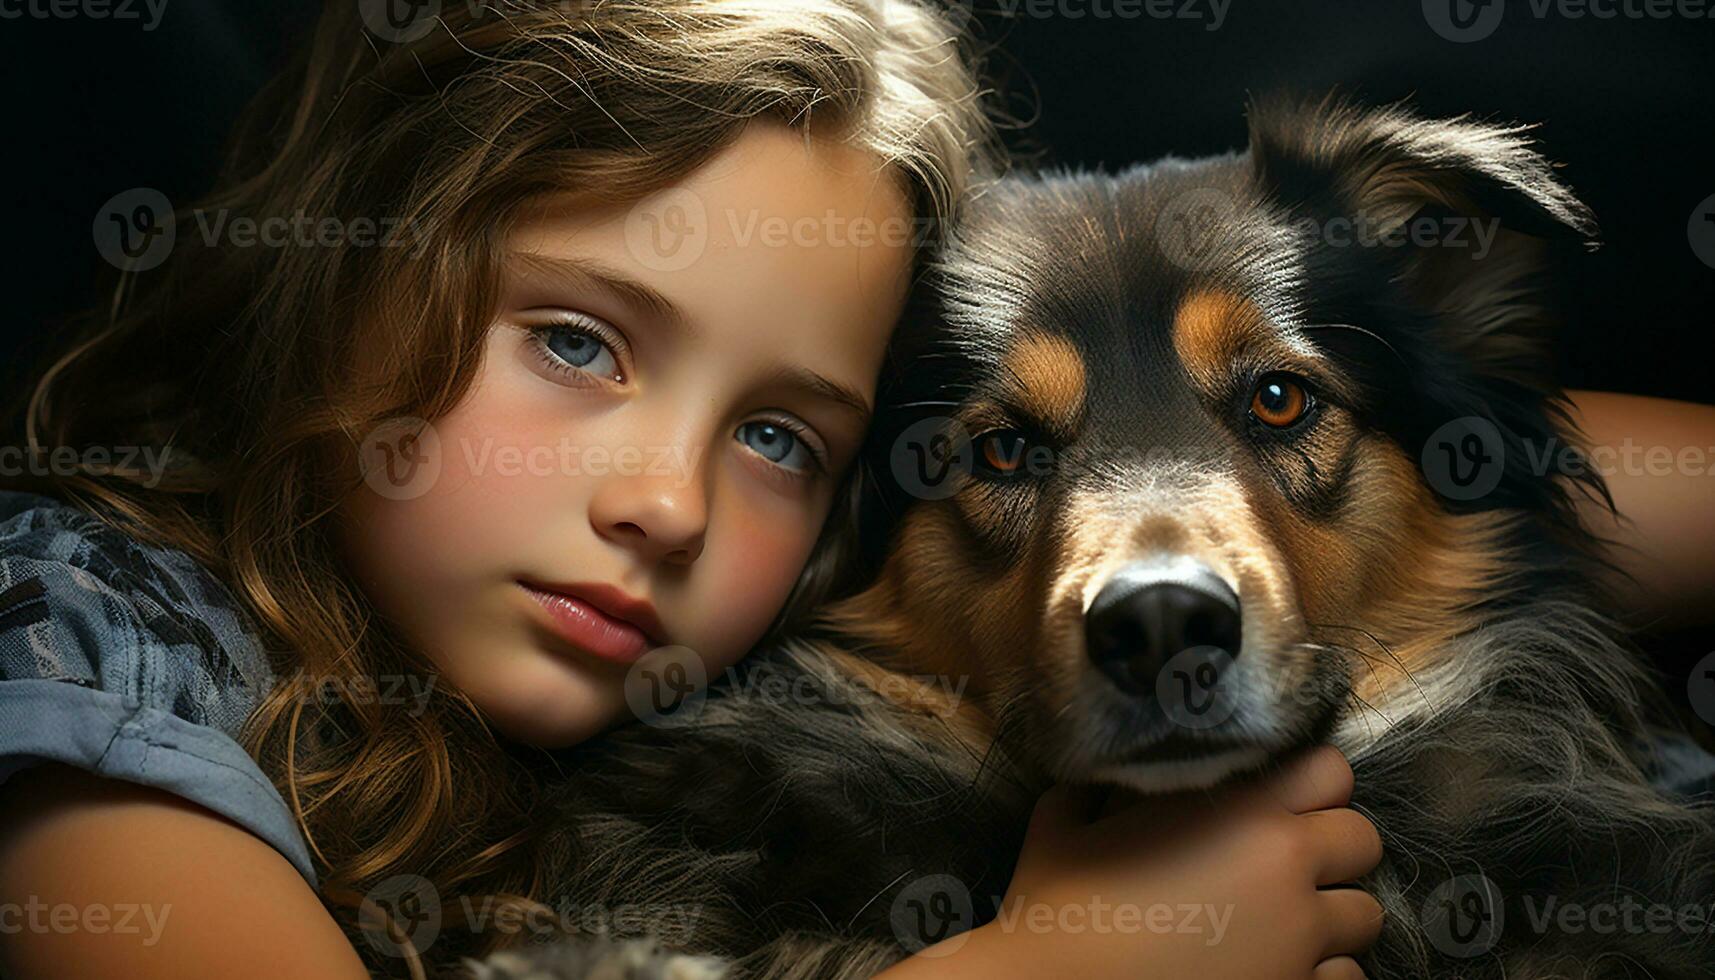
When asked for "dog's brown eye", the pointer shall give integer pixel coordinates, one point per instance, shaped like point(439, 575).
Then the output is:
point(1279, 401)
point(1001, 452)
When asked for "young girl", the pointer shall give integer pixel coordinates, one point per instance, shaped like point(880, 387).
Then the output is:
point(424, 497)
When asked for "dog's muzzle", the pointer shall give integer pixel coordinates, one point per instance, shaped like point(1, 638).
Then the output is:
point(1150, 611)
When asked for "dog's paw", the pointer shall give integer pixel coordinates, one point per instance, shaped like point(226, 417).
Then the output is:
point(596, 959)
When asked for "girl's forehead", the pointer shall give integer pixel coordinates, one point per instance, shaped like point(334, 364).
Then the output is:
point(791, 250)
point(773, 186)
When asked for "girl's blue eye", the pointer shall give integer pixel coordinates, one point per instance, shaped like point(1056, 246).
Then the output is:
point(777, 444)
point(579, 347)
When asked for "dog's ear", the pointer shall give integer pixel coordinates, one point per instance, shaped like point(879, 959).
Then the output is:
point(1459, 215)
point(1458, 313)
point(1388, 165)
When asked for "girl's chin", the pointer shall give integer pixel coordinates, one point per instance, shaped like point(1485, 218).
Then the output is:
point(547, 702)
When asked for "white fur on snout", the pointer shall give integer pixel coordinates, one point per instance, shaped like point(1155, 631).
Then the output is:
point(1175, 521)
point(1160, 569)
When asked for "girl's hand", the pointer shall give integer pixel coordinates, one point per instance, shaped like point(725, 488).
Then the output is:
point(1219, 884)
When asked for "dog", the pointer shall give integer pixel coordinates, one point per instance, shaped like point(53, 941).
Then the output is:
point(1194, 465)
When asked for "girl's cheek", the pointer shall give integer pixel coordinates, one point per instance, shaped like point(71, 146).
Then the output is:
point(766, 551)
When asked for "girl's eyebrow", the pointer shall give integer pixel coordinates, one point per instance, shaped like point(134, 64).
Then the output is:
point(817, 384)
point(591, 274)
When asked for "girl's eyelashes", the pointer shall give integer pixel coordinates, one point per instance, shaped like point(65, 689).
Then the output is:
point(580, 348)
point(583, 350)
point(786, 443)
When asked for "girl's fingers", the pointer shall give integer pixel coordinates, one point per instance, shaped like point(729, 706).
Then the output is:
point(1338, 968)
point(1317, 779)
point(1354, 921)
point(1347, 845)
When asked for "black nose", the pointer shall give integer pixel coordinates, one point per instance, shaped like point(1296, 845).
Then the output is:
point(1145, 615)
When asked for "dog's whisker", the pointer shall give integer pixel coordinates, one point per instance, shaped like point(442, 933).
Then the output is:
point(930, 403)
point(1368, 661)
point(1362, 707)
point(1387, 650)
point(1371, 709)
point(855, 915)
point(1370, 334)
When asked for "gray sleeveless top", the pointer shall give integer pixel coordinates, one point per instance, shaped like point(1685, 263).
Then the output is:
point(130, 662)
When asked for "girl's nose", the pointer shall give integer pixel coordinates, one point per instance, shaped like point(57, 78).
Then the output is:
point(662, 518)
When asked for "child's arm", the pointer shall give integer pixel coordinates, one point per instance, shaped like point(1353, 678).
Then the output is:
point(1254, 859)
point(101, 878)
point(1659, 460)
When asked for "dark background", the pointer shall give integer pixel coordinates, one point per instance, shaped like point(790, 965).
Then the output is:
point(94, 107)
point(1628, 106)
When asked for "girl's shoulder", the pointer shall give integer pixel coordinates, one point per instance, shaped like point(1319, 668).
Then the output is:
point(130, 661)
point(75, 592)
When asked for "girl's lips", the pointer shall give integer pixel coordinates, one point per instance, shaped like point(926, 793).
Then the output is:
point(589, 629)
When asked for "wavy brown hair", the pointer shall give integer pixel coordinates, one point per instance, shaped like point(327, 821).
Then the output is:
point(237, 363)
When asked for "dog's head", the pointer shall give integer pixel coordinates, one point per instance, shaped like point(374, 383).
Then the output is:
point(1210, 457)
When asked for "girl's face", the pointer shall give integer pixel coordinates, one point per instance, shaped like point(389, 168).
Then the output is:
point(669, 395)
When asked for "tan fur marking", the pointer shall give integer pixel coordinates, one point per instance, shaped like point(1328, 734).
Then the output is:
point(930, 612)
point(1208, 331)
point(1393, 566)
point(1050, 379)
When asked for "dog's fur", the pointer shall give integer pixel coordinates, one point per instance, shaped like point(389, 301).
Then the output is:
point(1453, 649)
